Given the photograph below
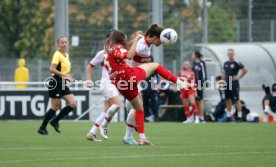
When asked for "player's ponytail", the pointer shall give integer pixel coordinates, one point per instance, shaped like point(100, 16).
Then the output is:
point(154, 30)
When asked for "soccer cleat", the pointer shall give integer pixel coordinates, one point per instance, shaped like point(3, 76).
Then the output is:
point(130, 141)
point(103, 132)
point(197, 121)
point(42, 131)
point(56, 126)
point(92, 137)
point(188, 120)
point(144, 142)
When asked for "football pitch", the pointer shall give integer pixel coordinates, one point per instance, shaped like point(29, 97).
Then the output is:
point(176, 144)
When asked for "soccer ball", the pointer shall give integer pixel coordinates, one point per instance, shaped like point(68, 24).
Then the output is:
point(168, 36)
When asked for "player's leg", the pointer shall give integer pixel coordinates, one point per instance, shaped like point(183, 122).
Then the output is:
point(139, 120)
point(200, 104)
point(236, 99)
point(55, 105)
point(128, 138)
point(187, 111)
point(92, 135)
point(192, 101)
point(71, 104)
point(228, 103)
point(115, 103)
point(151, 68)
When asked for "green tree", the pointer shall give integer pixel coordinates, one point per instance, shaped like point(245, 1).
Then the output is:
point(221, 26)
point(25, 26)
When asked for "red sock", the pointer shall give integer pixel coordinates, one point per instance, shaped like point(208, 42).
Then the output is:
point(163, 72)
point(195, 109)
point(139, 118)
point(187, 111)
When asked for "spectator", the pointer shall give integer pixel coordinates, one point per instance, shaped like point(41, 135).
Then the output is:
point(220, 107)
point(269, 101)
point(188, 96)
point(21, 74)
point(199, 68)
point(150, 99)
point(231, 69)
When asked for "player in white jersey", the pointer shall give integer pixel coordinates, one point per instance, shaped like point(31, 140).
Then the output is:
point(112, 100)
point(143, 55)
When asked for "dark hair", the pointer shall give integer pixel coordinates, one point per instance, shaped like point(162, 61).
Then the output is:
point(198, 54)
point(116, 37)
point(154, 30)
point(218, 78)
point(109, 33)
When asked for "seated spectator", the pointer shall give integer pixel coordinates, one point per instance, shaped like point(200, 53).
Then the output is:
point(220, 107)
point(269, 101)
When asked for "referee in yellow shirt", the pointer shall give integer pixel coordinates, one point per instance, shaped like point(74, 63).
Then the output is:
point(60, 69)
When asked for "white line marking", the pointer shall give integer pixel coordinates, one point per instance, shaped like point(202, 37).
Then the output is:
point(127, 147)
point(137, 156)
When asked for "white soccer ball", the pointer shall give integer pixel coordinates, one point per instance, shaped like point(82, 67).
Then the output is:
point(168, 36)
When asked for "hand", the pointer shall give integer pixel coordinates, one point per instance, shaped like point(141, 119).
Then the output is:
point(139, 35)
point(139, 32)
point(89, 83)
point(236, 78)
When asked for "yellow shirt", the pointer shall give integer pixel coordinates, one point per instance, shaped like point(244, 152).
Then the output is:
point(62, 62)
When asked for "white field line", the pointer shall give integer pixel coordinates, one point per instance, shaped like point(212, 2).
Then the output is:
point(137, 156)
point(128, 147)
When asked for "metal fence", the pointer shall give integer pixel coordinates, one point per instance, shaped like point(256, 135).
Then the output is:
point(90, 20)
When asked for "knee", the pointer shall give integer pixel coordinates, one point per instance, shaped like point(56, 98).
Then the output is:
point(72, 104)
point(55, 107)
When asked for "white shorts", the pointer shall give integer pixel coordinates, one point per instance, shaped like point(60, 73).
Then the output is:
point(108, 89)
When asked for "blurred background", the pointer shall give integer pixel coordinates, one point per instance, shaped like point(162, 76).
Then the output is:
point(27, 28)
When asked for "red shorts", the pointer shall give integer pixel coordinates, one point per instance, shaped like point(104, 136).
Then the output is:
point(128, 86)
point(184, 94)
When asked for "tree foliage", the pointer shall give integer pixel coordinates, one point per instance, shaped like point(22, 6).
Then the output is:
point(26, 27)
point(221, 27)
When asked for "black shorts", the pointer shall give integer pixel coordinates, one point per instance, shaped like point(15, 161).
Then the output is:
point(234, 92)
point(199, 95)
point(57, 87)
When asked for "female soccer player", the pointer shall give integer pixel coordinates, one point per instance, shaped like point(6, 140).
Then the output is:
point(112, 100)
point(142, 56)
point(60, 69)
point(188, 96)
point(126, 78)
point(199, 68)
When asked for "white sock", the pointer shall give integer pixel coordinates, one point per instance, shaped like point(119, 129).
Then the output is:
point(239, 114)
point(98, 122)
point(129, 132)
point(130, 121)
point(229, 114)
point(202, 118)
point(109, 114)
point(267, 110)
point(142, 135)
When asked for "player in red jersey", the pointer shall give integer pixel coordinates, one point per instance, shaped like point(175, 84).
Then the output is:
point(142, 56)
point(188, 96)
point(126, 78)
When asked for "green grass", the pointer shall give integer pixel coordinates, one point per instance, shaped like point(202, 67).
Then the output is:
point(204, 145)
